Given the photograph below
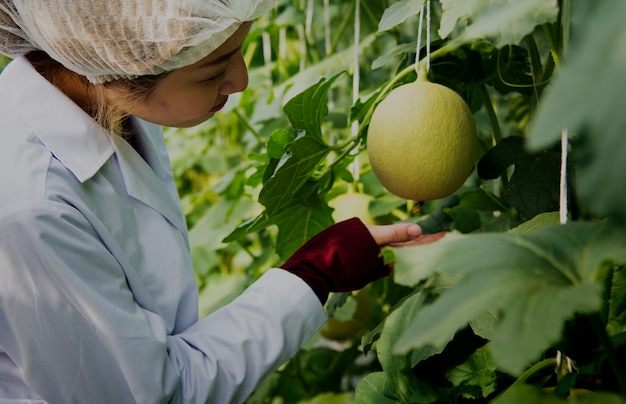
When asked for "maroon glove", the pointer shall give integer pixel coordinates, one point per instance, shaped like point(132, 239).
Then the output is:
point(341, 258)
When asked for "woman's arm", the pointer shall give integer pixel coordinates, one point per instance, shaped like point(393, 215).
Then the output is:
point(71, 324)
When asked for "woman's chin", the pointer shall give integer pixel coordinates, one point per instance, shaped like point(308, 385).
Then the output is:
point(191, 122)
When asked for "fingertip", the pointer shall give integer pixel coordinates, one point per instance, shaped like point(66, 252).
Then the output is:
point(414, 231)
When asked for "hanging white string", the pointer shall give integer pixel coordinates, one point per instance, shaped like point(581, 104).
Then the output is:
point(418, 49)
point(328, 45)
point(304, 32)
point(327, 39)
point(282, 43)
point(563, 209)
point(309, 18)
point(427, 35)
point(563, 215)
point(356, 78)
point(419, 38)
point(267, 53)
point(303, 46)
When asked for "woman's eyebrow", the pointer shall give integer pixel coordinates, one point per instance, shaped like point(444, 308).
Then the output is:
point(221, 59)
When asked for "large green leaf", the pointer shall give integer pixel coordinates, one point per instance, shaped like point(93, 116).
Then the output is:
point(588, 99)
point(297, 224)
point(398, 366)
point(306, 112)
point(398, 12)
point(525, 394)
point(376, 388)
point(533, 281)
point(502, 21)
point(299, 163)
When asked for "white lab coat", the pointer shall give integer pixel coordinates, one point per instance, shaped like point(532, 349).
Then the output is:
point(98, 300)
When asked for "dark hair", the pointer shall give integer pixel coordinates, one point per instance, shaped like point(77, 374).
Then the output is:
point(111, 117)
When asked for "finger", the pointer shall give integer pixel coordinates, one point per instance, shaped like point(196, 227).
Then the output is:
point(394, 233)
point(423, 239)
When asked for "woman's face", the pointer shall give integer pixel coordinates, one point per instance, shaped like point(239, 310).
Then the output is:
point(192, 94)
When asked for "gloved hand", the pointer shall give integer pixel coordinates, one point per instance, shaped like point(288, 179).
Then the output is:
point(345, 257)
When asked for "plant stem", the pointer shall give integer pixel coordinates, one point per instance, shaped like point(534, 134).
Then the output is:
point(554, 49)
point(491, 113)
point(535, 59)
point(535, 65)
point(546, 363)
point(495, 125)
point(247, 124)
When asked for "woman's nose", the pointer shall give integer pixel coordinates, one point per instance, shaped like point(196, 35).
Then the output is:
point(236, 79)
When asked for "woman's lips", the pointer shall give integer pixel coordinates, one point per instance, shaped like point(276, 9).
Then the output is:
point(219, 106)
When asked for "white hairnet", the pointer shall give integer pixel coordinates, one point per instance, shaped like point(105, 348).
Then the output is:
point(110, 39)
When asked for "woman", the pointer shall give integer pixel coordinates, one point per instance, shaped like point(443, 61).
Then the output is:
point(98, 300)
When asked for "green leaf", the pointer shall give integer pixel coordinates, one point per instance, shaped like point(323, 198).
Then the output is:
point(587, 98)
point(534, 281)
point(398, 366)
point(479, 210)
point(253, 225)
point(307, 110)
point(376, 388)
point(412, 263)
point(484, 323)
point(277, 143)
point(304, 156)
point(525, 394)
point(537, 222)
point(439, 220)
point(534, 185)
point(341, 306)
point(398, 12)
point(477, 199)
point(479, 370)
point(297, 223)
point(454, 11)
point(502, 21)
point(391, 57)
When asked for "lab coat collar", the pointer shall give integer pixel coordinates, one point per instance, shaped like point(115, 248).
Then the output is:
point(83, 146)
point(58, 122)
point(148, 178)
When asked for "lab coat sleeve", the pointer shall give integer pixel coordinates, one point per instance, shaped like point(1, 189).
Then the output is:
point(72, 326)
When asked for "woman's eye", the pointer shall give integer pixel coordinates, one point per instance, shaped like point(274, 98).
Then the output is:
point(214, 78)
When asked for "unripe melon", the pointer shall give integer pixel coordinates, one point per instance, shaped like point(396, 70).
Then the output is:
point(350, 205)
point(344, 330)
point(422, 141)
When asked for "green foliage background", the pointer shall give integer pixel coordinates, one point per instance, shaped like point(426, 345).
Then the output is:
point(513, 305)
